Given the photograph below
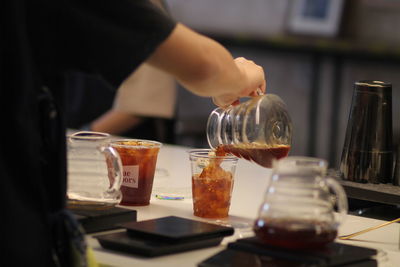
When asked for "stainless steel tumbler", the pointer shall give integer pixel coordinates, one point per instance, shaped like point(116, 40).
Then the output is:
point(367, 155)
point(396, 177)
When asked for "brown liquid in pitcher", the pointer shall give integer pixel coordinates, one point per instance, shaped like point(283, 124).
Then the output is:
point(260, 154)
point(294, 234)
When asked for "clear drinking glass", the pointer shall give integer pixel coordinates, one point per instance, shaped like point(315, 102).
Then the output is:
point(139, 160)
point(212, 183)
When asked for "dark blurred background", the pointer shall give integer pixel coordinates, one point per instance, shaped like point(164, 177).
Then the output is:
point(312, 53)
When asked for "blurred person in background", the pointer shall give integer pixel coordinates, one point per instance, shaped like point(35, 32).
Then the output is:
point(143, 107)
point(43, 39)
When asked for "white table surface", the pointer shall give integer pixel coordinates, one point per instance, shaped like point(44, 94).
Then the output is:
point(174, 176)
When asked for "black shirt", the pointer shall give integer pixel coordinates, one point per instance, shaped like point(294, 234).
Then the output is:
point(39, 41)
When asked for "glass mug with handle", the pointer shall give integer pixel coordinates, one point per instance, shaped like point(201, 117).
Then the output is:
point(94, 171)
point(258, 130)
point(298, 211)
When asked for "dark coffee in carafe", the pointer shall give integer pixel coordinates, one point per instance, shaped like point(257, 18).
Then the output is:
point(367, 155)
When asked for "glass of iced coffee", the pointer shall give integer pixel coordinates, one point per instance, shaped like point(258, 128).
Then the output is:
point(139, 159)
point(212, 182)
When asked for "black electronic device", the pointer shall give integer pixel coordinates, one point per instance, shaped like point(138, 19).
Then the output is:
point(238, 258)
point(176, 229)
point(334, 254)
point(163, 236)
point(97, 220)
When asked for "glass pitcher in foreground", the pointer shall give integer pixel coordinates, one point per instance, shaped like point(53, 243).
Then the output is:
point(259, 129)
point(298, 209)
point(94, 171)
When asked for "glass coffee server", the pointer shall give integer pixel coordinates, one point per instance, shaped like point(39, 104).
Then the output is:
point(299, 205)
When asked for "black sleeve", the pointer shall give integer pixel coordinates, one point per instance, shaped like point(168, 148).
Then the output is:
point(105, 37)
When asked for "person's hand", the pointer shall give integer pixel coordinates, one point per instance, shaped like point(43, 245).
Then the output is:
point(254, 83)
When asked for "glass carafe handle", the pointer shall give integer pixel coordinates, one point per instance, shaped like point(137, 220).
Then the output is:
point(341, 198)
point(259, 92)
point(114, 165)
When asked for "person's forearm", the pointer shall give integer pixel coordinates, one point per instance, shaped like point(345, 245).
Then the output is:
point(202, 65)
point(197, 62)
point(115, 122)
